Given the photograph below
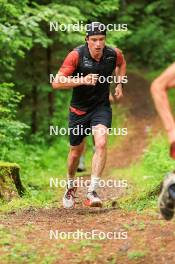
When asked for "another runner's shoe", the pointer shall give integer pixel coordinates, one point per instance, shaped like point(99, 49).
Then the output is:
point(81, 169)
point(93, 200)
point(167, 197)
point(81, 165)
point(69, 198)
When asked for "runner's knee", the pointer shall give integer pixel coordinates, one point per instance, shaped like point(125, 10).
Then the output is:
point(76, 151)
point(100, 144)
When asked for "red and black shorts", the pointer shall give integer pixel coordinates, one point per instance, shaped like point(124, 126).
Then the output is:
point(80, 126)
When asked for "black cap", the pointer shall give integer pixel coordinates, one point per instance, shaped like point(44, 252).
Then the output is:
point(95, 28)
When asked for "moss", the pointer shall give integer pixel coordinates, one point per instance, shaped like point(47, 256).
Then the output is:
point(8, 164)
point(10, 183)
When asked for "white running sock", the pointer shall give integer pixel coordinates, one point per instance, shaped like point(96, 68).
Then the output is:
point(81, 164)
point(94, 183)
point(70, 182)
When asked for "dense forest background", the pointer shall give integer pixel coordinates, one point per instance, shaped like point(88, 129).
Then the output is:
point(29, 52)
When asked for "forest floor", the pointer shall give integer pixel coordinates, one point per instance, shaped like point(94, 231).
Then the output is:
point(140, 237)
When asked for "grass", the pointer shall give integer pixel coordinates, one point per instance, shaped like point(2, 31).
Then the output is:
point(86, 251)
point(20, 251)
point(134, 255)
point(37, 166)
point(145, 176)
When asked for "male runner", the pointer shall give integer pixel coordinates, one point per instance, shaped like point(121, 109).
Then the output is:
point(159, 90)
point(89, 107)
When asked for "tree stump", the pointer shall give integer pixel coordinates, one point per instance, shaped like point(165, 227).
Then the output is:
point(10, 183)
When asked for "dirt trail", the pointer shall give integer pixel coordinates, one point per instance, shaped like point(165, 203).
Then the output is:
point(141, 118)
point(149, 238)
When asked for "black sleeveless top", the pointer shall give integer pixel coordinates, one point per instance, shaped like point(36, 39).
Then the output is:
point(87, 97)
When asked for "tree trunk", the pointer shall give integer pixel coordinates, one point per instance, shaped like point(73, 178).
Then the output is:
point(50, 94)
point(10, 183)
point(34, 109)
point(34, 92)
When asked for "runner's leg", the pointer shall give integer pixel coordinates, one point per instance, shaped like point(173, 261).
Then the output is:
point(98, 163)
point(73, 158)
point(99, 158)
point(81, 164)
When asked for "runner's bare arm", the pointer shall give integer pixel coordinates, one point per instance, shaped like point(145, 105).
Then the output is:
point(111, 98)
point(67, 82)
point(121, 69)
point(63, 82)
point(120, 72)
point(64, 79)
point(159, 88)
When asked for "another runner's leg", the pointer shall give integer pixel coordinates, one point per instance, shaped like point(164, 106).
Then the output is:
point(81, 164)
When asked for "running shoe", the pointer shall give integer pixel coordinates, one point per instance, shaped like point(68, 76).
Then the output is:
point(69, 198)
point(166, 199)
point(93, 200)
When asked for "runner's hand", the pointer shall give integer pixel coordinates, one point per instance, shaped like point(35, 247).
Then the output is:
point(112, 99)
point(118, 91)
point(90, 79)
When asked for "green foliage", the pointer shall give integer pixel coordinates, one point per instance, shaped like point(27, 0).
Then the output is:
point(151, 43)
point(38, 164)
point(11, 130)
point(158, 154)
point(145, 177)
point(25, 25)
